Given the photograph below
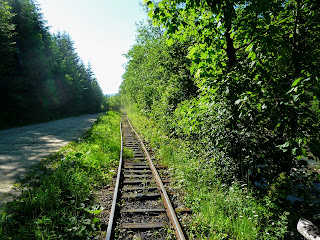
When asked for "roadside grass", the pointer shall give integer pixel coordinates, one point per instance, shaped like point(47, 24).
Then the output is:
point(58, 202)
point(220, 211)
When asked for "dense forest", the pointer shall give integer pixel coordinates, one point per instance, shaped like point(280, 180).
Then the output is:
point(238, 82)
point(41, 75)
point(226, 91)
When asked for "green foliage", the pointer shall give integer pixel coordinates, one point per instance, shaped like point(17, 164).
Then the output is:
point(41, 75)
point(238, 81)
point(114, 103)
point(220, 211)
point(157, 76)
point(6, 35)
point(257, 73)
point(60, 204)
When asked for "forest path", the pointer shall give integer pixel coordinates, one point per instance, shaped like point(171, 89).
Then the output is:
point(22, 148)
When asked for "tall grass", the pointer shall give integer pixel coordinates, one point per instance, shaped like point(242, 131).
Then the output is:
point(60, 204)
point(220, 211)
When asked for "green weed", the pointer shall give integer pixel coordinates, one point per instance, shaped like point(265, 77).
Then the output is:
point(128, 153)
point(60, 205)
point(220, 211)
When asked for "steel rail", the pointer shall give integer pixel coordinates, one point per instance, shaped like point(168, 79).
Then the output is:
point(170, 211)
point(116, 190)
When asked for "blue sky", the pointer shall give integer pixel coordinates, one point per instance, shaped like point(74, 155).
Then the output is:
point(102, 30)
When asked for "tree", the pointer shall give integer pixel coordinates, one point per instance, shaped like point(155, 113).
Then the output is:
point(41, 75)
point(257, 72)
point(157, 76)
point(6, 35)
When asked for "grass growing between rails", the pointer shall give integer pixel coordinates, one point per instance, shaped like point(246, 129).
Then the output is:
point(59, 202)
point(220, 211)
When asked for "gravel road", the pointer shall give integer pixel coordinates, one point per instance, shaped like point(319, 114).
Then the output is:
point(23, 147)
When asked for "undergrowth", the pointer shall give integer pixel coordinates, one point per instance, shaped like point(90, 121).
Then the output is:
point(220, 211)
point(58, 202)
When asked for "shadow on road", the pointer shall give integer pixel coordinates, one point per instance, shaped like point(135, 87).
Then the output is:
point(24, 147)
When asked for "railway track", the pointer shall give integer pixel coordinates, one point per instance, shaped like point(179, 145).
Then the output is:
point(141, 207)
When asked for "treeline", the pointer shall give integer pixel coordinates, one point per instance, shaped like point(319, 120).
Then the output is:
point(41, 75)
point(239, 80)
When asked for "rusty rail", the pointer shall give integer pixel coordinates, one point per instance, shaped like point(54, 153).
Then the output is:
point(168, 208)
point(170, 211)
point(116, 190)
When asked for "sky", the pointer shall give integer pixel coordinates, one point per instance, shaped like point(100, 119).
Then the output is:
point(102, 31)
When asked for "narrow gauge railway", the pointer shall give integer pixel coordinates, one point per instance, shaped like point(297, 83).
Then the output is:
point(141, 208)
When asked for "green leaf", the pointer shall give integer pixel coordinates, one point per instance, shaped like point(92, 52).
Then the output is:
point(294, 151)
point(170, 41)
point(95, 220)
point(192, 51)
point(253, 56)
point(151, 5)
point(284, 146)
point(95, 212)
point(295, 83)
point(249, 48)
point(86, 221)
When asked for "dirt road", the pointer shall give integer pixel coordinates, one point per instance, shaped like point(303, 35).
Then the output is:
point(24, 147)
